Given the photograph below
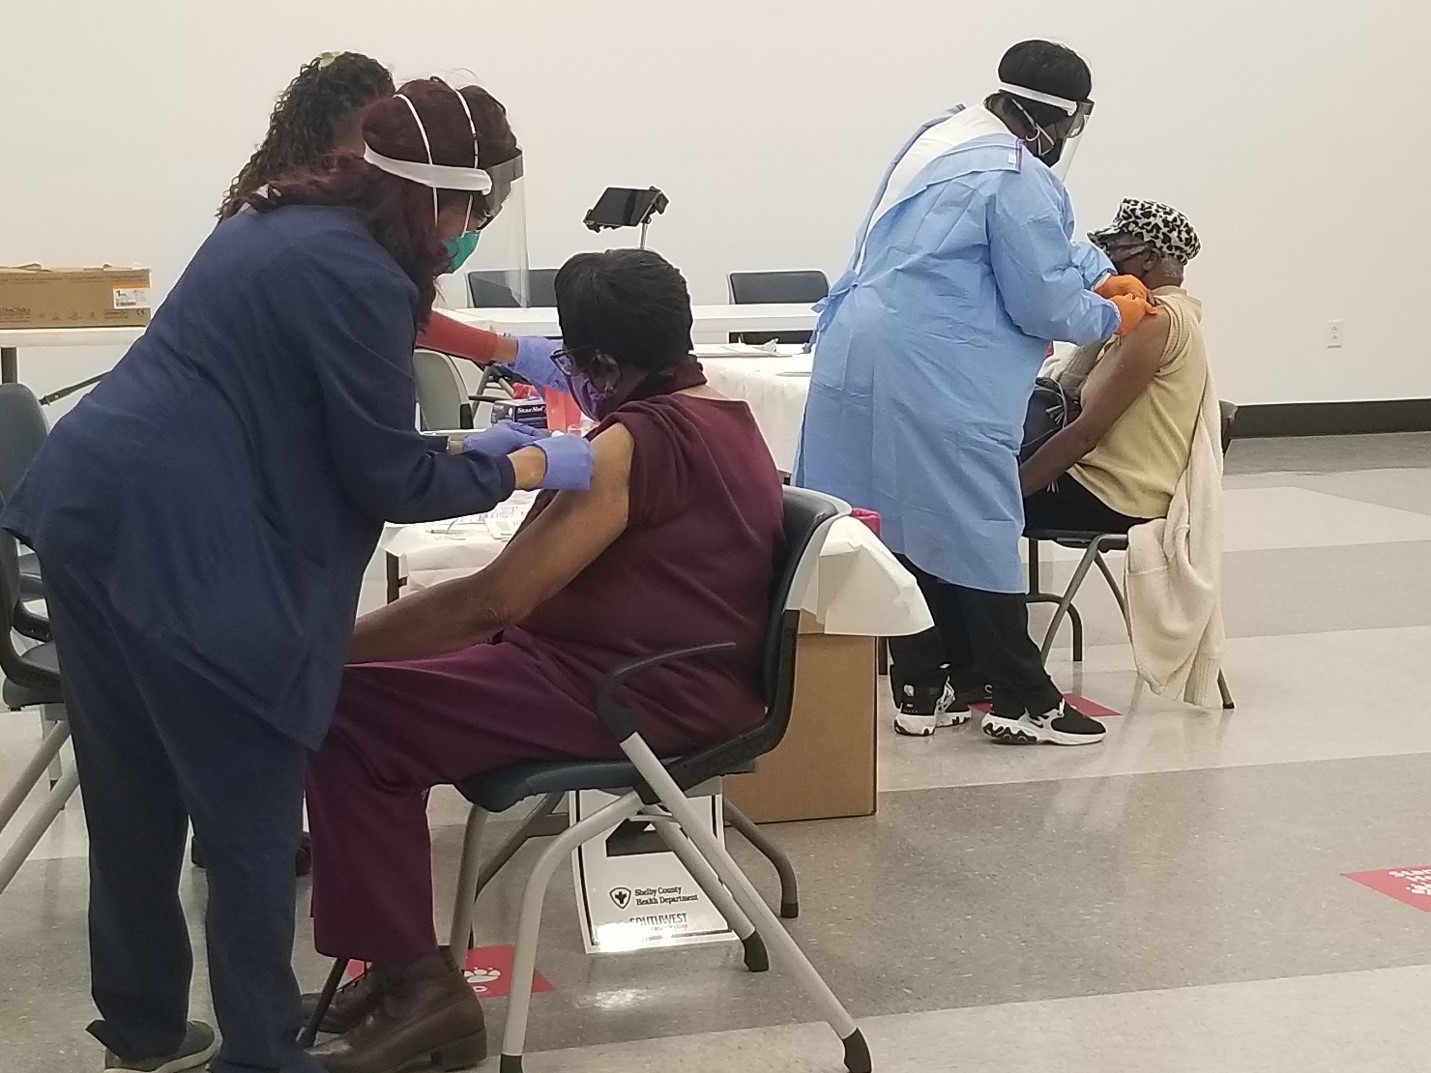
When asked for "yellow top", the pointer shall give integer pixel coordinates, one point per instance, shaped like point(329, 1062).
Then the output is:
point(1143, 456)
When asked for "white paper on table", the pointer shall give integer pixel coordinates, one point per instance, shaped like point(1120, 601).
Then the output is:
point(860, 588)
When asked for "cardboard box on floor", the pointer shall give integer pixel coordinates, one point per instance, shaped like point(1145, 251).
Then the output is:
point(825, 768)
point(32, 296)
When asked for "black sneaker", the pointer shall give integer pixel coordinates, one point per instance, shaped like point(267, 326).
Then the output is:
point(1061, 726)
point(198, 1047)
point(948, 712)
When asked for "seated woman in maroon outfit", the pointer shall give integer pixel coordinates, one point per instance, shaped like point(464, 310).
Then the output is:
point(676, 543)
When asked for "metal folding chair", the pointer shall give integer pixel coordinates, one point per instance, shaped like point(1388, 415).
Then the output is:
point(22, 433)
point(776, 288)
point(32, 680)
point(1093, 546)
point(656, 790)
point(491, 290)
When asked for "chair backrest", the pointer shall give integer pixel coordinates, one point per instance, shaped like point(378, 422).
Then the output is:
point(1228, 414)
point(10, 598)
point(490, 289)
point(442, 399)
point(803, 287)
point(22, 434)
point(808, 517)
point(778, 288)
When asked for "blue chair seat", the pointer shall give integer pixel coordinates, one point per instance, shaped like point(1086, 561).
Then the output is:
point(497, 791)
point(42, 659)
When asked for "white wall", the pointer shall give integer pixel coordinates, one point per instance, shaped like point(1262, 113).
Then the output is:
point(1293, 134)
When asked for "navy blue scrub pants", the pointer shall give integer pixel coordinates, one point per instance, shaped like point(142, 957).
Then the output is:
point(158, 746)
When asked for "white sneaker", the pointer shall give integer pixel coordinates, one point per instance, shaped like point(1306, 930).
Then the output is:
point(1062, 726)
point(948, 712)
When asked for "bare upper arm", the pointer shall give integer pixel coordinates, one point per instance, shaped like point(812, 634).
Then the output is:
point(1133, 365)
point(564, 539)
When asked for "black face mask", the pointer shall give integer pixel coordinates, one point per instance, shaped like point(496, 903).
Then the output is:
point(1053, 154)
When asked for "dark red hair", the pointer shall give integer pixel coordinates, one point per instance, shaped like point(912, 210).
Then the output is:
point(398, 212)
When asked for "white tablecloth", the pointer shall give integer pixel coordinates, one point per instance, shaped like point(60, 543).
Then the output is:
point(774, 387)
point(858, 587)
point(710, 322)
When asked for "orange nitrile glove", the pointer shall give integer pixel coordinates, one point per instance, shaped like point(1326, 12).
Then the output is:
point(1127, 286)
point(1131, 312)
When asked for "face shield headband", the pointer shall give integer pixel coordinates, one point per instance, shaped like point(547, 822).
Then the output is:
point(1057, 153)
point(496, 181)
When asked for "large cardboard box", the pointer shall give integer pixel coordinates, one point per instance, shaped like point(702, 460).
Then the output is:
point(825, 768)
point(32, 296)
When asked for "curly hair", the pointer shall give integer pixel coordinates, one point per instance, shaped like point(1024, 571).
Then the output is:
point(399, 213)
point(327, 92)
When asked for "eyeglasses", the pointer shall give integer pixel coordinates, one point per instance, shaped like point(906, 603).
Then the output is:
point(565, 359)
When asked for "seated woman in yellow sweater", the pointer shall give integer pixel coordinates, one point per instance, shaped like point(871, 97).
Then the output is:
point(1116, 464)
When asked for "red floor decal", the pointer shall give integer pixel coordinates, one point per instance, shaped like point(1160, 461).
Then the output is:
point(1409, 885)
point(489, 971)
point(1082, 704)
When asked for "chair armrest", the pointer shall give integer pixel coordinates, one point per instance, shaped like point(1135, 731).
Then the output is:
point(28, 624)
point(620, 721)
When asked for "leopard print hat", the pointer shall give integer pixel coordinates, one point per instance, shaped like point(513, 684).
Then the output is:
point(1162, 227)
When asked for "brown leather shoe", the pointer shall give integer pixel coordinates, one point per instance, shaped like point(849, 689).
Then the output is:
point(351, 1003)
point(426, 1010)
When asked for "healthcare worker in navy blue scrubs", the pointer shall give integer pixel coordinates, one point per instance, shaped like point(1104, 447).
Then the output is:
point(203, 520)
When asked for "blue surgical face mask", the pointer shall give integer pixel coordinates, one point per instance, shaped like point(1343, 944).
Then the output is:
point(459, 249)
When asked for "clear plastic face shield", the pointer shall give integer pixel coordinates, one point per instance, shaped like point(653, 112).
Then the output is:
point(502, 273)
point(494, 239)
point(1056, 143)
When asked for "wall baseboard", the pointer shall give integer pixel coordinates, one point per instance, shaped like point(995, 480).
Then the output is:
point(1333, 418)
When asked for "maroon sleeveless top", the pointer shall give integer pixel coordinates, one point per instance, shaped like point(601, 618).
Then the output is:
point(696, 565)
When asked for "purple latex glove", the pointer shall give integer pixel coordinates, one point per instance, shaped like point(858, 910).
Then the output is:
point(502, 439)
point(534, 362)
point(568, 463)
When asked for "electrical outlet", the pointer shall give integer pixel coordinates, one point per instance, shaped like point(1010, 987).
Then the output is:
point(1334, 334)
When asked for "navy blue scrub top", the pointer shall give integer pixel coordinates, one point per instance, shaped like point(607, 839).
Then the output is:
point(224, 488)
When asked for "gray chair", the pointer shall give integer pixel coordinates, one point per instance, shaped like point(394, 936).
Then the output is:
point(776, 288)
point(32, 680)
point(22, 433)
point(655, 790)
point(1093, 546)
point(490, 290)
point(442, 398)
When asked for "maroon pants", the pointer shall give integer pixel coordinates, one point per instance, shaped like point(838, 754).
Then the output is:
point(400, 729)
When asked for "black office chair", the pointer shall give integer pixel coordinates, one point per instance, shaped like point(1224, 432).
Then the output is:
point(32, 680)
point(490, 290)
point(1093, 546)
point(776, 288)
point(655, 790)
point(22, 433)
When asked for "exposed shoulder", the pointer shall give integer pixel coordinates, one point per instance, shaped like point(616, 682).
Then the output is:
point(1149, 339)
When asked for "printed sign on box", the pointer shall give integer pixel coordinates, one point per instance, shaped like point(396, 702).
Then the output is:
point(633, 893)
point(1409, 885)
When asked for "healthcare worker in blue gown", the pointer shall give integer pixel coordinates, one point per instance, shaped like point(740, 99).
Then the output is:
point(925, 356)
point(203, 520)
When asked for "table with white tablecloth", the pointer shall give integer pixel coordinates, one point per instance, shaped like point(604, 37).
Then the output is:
point(708, 322)
point(858, 587)
point(774, 386)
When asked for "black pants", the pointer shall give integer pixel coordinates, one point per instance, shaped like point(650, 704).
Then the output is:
point(1069, 505)
point(979, 638)
point(157, 746)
